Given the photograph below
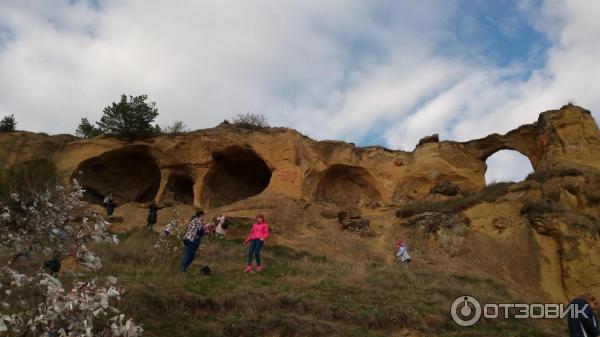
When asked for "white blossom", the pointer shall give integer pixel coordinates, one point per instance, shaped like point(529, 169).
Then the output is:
point(45, 225)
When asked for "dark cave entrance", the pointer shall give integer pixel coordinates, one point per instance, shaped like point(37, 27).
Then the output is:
point(130, 174)
point(346, 186)
point(182, 188)
point(238, 174)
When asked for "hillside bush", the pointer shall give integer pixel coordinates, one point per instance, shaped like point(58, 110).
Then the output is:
point(545, 175)
point(8, 124)
point(176, 128)
point(28, 179)
point(489, 194)
point(251, 121)
point(34, 300)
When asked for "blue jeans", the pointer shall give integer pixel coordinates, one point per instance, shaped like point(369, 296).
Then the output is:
point(254, 251)
point(189, 253)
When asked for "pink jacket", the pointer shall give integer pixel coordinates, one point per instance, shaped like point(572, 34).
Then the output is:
point(258, 231)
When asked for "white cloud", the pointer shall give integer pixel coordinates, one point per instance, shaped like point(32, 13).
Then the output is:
point(335, 69)
point(206, 61)
point(486, 101)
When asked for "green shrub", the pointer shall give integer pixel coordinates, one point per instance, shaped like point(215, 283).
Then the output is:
point(251, 121)
point(8, 124)
point(87, 130)
point(29, 178)
point(178, 127)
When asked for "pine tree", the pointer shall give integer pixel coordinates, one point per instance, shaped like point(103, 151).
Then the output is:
point(130, 118)
point(87, 130)
point(8, 124)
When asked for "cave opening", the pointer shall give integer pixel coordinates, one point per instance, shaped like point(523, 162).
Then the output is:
point(347, 186)
point(237, 174)
point(130, 174)
point(182, 188)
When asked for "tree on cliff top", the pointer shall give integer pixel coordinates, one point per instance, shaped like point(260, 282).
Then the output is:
point(87, 129)
point(8, 124)
point(130, 118)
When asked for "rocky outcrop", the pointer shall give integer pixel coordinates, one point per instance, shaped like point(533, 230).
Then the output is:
point(429, 139)
point(543, 231)
point(222, 165)
point(445, 188)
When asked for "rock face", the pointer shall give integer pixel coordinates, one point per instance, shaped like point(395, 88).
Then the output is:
point(219, 166)
point(543, 231)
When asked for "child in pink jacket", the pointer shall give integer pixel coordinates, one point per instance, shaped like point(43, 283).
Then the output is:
point(258, 234)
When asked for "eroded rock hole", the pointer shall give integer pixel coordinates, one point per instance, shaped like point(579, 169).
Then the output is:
point(238, 174)
point(130, 174)
point(182, 188)
point(347, 186)
point(507, 165)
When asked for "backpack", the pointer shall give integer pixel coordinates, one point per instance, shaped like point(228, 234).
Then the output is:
point(205, 270)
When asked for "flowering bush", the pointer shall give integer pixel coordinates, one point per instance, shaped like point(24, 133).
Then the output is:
point(163, 245)
point(53, 223)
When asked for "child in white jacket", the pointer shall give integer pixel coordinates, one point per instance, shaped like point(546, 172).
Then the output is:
point(402, 253)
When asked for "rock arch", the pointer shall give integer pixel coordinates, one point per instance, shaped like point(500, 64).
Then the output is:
point(238, 173)
point(346, 185)
point(507, 165)
point(130, 173)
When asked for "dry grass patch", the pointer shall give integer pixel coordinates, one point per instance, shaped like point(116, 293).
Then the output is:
point(298, 294)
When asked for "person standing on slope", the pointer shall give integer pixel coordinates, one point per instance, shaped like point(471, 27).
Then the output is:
point(402, 253)
point(109, 204)
point(191, 240)
point(584, 323)
point(258, 234)
point(222, 224)
point(153, 209)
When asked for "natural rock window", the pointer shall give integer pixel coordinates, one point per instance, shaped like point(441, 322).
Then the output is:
point(507, 165)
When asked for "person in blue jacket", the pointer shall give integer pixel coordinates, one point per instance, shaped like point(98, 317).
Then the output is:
point(585, 323)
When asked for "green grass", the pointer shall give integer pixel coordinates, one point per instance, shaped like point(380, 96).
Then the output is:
point(298, 294)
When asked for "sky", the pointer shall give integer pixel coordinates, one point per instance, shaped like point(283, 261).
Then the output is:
point(380, 72)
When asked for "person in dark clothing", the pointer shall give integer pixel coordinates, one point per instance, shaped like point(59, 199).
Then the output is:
point(153, 209)
point(584, 324)
point(109, 205)
point(191, 240)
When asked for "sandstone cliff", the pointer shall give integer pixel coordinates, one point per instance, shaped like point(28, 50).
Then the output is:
point(542, 233)
point(193, 167)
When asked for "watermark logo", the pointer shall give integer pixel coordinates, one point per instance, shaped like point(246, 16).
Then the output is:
point(467, 311)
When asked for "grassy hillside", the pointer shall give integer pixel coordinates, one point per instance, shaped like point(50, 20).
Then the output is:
point(298, 294)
